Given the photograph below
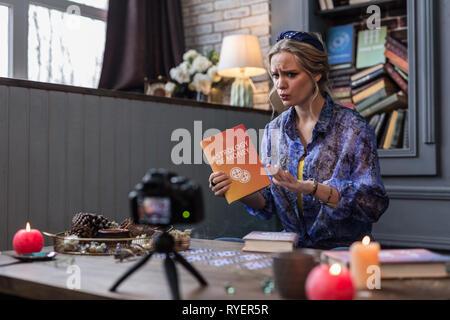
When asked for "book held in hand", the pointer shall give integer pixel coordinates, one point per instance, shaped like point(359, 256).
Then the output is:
point(233, 153)
point(401, 263)
point(264, 241)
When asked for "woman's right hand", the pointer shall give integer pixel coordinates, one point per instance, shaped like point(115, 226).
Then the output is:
point(219, 183)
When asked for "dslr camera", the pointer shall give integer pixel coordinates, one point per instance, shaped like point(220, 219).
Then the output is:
point(163, 198)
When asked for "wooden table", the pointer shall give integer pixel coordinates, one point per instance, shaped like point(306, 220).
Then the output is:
point(48, 280)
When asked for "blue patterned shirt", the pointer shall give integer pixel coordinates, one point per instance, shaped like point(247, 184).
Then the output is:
point(343, 154)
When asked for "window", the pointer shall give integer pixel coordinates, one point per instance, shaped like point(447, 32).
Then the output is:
point(57, 41)
point(63, 48)
point(4, 41)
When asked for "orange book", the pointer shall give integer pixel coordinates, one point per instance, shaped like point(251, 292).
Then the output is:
point(232, 152)
point(395, 59)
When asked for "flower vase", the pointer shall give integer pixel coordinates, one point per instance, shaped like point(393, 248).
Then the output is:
point(201, 97)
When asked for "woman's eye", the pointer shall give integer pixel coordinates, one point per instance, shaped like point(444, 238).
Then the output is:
point(292, 75)
point(275, 75)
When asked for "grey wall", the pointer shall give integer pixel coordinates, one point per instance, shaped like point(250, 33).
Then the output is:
point(62, 153)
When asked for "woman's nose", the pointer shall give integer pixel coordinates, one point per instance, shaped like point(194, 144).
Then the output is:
point(281, 83)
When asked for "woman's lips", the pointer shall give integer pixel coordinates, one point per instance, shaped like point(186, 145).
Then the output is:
point(284, 97)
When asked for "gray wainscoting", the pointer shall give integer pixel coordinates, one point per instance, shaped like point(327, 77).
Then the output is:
point(63, 152)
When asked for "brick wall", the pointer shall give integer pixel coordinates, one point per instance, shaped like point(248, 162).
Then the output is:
point(207, 22)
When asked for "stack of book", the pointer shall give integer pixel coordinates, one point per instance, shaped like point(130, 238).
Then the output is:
point(380, 92)
point(340, 45)
point(369, 73)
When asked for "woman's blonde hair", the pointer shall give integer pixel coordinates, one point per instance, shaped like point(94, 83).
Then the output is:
point(312, 60)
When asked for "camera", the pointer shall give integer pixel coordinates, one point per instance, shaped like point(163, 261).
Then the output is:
point(164, 198)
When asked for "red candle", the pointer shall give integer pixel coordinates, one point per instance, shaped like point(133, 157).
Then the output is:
point(28, 240)
point(326, 282)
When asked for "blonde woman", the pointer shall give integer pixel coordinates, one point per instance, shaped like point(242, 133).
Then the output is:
point(322, 157)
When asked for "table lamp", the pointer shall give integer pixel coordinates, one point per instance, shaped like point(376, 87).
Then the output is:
point(241, 58)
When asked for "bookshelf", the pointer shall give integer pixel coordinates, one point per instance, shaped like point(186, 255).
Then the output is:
point(419, 158)
point(358, 9)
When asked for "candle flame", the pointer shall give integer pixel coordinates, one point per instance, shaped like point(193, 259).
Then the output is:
point(27, 228)
point(366, 240)
point(335, 269)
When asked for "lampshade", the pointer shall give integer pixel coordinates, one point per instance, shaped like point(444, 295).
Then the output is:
point(240, 57)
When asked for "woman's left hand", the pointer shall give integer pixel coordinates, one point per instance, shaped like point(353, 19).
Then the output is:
point(285, 179)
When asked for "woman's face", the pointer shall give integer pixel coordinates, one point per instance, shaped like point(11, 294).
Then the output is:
point(293, 84)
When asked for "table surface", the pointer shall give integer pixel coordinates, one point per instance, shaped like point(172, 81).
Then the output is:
point(49, 279)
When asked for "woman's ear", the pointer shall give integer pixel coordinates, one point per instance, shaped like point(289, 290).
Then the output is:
point(317, 77)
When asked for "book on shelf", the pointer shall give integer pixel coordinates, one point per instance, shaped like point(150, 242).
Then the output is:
point(345, 78)
point(397, 138)
point(372, 99)
point(398, 79)
point(337, 84)
point(396, 60)
point(371, 88)
point(397, 51)
point(390, 130)
point(348, 105)
point(355, 91)
point(399, 47)
point(343, 72)
point(264, 241)
point(358, 1)
point(341, 94)
point(379, 128)
point(374, 120)
point(365, 72)
point(341, 66)
point(400, 263)
point(340, 45)
point(330, 4)
point(371, 47)
point(394, 101)
point(322, 5)
point(383, 133)
point(376, 73)
point(403, 74)
point(233, 153)
point(345, 102)
point(405, 143)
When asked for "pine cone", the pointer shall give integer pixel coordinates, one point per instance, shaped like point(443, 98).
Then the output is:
point(86, 225)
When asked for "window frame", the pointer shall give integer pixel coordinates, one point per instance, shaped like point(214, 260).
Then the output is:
point(18, 28)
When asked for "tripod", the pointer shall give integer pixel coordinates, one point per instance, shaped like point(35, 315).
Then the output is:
point(165, 244)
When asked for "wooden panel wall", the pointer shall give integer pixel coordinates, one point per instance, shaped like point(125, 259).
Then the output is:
point(64, 152)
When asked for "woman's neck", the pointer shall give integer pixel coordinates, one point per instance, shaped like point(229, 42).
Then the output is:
point(310, 112)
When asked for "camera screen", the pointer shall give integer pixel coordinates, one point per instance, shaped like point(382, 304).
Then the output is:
point(154, 210)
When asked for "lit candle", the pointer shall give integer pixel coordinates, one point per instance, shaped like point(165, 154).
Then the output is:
point(363, 255)
point(326, 282)
point(28, 240)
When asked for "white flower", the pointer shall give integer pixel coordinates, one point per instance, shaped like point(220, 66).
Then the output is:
point(181, 73)
point(170, 87)
point(213, 74)
point(202, 83)
point(190, 55)
point(200, 64)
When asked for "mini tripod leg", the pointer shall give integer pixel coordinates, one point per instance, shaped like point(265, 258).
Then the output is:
point(172, 277)
point(190, 268)
point(139, 264)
